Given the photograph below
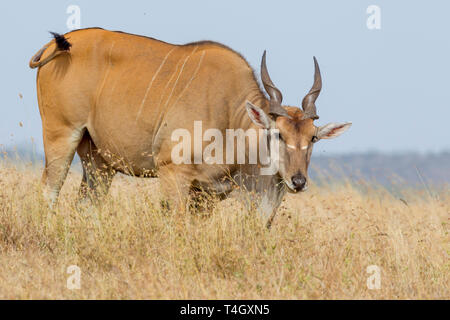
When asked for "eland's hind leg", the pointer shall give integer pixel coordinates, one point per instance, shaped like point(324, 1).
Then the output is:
point(97, 173)
point(60, 143)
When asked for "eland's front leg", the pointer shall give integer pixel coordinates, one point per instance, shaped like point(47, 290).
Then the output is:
point(262, 194)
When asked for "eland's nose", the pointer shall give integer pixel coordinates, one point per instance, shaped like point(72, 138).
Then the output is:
point(299, 182)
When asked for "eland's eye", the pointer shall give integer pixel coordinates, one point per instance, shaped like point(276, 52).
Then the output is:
point(314, 139)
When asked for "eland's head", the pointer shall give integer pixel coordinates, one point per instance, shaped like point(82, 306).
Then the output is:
point(297, 131)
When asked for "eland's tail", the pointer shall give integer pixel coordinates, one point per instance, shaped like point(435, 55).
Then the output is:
point(61, 45)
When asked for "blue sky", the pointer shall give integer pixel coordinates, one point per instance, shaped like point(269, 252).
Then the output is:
point(392, 83)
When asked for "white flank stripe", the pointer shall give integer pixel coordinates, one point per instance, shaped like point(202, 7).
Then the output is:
point(106, 74)
point(151, 83)
point(179, 74)
point(192, 78)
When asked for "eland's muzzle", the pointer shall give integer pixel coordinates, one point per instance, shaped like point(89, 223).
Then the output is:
point(299, 182)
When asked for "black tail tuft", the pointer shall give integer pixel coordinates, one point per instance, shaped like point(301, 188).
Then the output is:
point(61, 41)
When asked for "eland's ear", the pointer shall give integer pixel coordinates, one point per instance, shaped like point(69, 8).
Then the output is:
point(258, 116)
point(333, 130)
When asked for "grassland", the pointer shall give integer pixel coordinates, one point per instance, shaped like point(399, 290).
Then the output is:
point(319, 246)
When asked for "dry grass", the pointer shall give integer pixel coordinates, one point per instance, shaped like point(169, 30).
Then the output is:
point(318, 248)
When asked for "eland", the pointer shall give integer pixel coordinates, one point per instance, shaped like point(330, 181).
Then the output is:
point(116, 98)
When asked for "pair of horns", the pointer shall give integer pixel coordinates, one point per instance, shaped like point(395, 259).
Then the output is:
point(308, 103)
